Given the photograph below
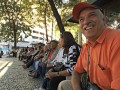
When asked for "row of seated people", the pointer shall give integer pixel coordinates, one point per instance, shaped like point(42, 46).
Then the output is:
point(46, 62)
point(27, 53)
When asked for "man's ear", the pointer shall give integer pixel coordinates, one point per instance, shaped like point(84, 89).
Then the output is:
point(105, 19)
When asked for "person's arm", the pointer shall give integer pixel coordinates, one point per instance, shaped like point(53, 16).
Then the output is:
point(78, 69)
point(50, 65)
point(72, 58)
point(115, 66)
point(76, 81)
point(50, 74)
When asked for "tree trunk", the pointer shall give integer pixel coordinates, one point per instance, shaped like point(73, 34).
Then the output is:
point(52, 30)
point(57, 16)
point(14, 30)
point(45, 12)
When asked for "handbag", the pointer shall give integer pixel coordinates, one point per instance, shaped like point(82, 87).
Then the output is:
point(59, 67)
point(84, 79)
point(86, 84)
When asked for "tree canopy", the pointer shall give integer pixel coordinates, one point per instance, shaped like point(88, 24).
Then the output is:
point(18, 16)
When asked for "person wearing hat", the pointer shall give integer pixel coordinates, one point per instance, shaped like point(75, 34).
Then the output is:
point(100, 56)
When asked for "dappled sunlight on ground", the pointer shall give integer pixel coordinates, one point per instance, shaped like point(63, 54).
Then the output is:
point(4, 69)
point(14, 77)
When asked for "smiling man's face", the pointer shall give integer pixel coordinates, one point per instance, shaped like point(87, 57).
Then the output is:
point(91, 22)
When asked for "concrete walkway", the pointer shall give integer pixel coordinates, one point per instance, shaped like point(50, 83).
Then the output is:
point(14, 77)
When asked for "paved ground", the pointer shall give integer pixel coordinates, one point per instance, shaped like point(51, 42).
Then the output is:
point(14, 77)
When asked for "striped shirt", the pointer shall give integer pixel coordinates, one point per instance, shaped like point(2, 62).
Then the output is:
point(71, 58)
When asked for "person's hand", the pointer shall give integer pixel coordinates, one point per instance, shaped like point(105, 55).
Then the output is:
point(51, 74)
point(41, 64)
point(36, 57)
point(32, 57)
point(49, 65)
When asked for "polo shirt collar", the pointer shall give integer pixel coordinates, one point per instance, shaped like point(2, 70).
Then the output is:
point(101, 37)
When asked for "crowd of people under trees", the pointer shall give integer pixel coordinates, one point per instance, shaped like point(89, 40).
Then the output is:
point(64, 65)
point(45, 59)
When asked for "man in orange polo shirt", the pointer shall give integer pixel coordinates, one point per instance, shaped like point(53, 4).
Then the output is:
point(103, 47)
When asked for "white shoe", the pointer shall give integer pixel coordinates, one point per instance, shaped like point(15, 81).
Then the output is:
point(36, 89)
point(39, 89)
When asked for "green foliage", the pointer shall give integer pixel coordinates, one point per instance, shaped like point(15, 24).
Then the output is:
point(28, 14)
point(13, 14)
point(73, 28)
point(58, 3)
point(112, 17)
point(25, 13)
point(6, 30)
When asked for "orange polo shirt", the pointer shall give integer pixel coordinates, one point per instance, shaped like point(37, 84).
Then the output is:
point(104, 68)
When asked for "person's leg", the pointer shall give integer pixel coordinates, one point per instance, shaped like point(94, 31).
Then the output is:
point(30, 63)
point(36, 64)
point(44, 83)
point(37, 68)
point(65, 85)
point(22, 57)
point(19, 57)
point(54, 82)
point(28, 58)
point(44, 70)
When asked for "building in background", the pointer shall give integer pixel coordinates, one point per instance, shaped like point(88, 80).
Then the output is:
point(39, 35)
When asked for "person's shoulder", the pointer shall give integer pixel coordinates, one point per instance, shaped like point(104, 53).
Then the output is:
point(57, 48)
point(113, 35)
point(113, 32)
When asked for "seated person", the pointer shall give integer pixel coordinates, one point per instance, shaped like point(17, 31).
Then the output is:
point(1, 53)
point(100, 56)
point(50, 57)
point(69, 59)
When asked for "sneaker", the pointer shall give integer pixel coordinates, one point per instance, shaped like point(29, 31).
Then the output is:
point(36, 89)
point(31, 71)
point(39, 89)
point(24, 66)
point(34, 75)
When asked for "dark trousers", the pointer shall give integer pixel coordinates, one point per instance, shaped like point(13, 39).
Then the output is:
point(29, 58)
point(45, 82)
point(54, 82)
point(30, 63)
point(43, 70)
point(14, 54)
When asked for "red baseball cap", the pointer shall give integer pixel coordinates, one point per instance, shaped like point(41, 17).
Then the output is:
point(79, 7)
